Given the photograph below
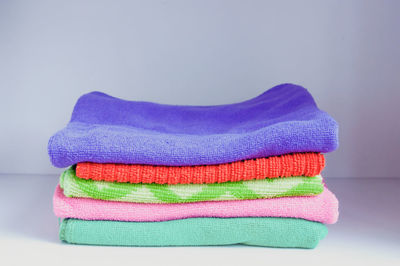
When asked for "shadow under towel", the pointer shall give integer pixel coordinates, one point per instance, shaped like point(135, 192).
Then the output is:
point(104, 129)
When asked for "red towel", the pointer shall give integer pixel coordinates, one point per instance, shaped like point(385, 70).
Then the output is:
point(297, 164)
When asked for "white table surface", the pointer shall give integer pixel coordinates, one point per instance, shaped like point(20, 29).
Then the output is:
point(368, 232)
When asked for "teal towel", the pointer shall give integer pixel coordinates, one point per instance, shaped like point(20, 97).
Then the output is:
point(267, 232)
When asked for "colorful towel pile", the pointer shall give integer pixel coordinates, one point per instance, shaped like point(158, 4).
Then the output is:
point(146, 174)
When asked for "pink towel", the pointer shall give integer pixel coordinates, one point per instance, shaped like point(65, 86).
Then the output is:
point(322, 208)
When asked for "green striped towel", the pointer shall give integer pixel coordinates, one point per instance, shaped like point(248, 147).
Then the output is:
point(74, 186)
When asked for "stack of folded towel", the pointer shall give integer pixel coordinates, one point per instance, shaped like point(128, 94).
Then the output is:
point(146, 174)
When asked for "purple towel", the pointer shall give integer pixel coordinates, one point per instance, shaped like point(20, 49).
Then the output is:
point(104, 129)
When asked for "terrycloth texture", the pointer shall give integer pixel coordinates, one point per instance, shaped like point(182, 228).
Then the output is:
point(104, 129)
point(321, 208)
point(155, 193)
point(268, 232)
point(297, 164)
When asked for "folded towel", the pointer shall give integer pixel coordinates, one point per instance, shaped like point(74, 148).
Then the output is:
point(74, 186)
point(297, 164)
point(321, 208)
point(104, 129)
point(269, 232)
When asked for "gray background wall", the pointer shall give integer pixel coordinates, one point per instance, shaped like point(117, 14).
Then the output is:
point(202, 53)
